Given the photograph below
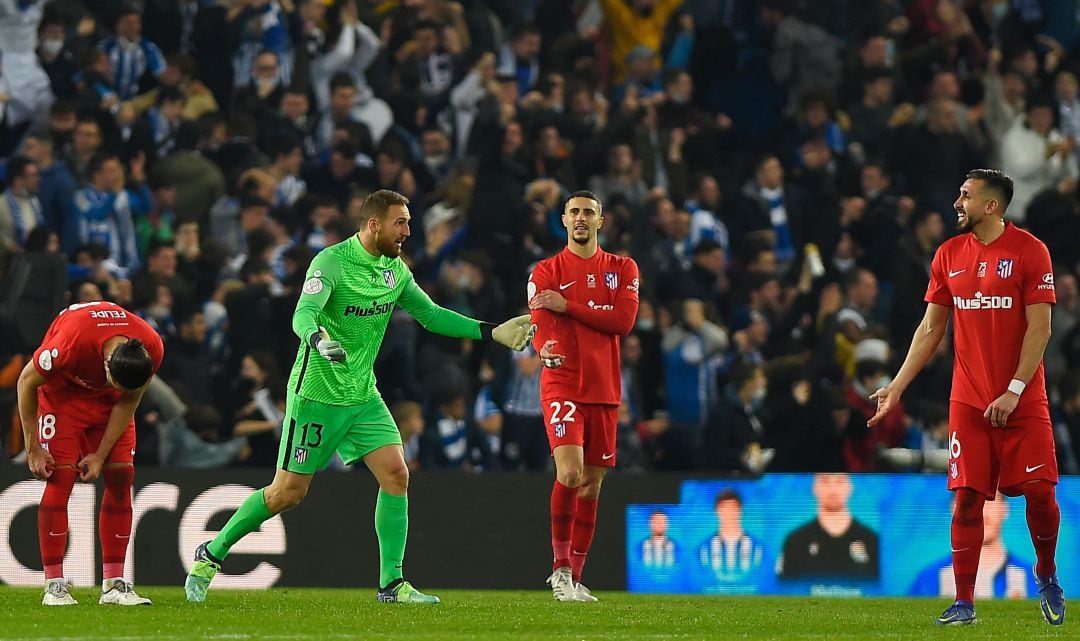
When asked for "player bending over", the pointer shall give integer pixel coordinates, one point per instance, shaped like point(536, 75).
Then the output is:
point(80, 391)
point(333, 405)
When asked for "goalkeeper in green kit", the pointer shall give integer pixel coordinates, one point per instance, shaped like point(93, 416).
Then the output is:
point(333, 405)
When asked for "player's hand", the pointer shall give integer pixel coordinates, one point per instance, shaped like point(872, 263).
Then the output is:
point(549, 299)
point(887, 398)
point(329, 349)
point(41, 463)
point(548, 356)
point(999, 411)
point(514, 333)
point(90, 467)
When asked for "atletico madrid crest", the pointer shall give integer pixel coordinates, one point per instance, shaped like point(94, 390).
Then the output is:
point(300, 455)
point(1005, 267)
point(389, 278)
point(611, 279)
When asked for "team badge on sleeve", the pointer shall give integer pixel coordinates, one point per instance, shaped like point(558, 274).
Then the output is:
point(611, 279)
point(45, 359)
point(1005, 267)
point(313, 286)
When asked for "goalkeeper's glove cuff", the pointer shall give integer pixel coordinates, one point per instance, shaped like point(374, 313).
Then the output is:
point(314, 339)
point(485, 331)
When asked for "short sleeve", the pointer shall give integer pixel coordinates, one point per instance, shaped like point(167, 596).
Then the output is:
point(54, 353)
point(938, 291)
point(1038, 276)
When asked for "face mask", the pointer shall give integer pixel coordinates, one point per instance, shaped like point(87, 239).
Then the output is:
point(646, 325)
point(464, 281)
point(1000, 10)
point(678, 99)
point(157, 312)
point(882, 382)
point(436, 162)
point(844, 264)
point(871, 194)
point(266, 85)
point(52, 46)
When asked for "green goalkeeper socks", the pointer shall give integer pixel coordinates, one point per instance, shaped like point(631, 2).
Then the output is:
point(248, 518)
point(392, 528)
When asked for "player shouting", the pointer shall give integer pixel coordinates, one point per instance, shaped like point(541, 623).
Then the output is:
point(582, 300)
point(999, 281)
point(80, 392)
point(333, 405)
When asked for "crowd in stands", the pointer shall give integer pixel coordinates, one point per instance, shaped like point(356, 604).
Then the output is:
point(781, 170)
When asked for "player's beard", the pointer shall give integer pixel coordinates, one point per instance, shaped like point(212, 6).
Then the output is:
point(964, 223)
point(581, 237)
point(388, 245)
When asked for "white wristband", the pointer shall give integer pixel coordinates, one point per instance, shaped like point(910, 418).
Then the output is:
point(1016, 386)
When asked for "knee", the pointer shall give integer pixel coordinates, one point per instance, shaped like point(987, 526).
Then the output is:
point(119, 479)
point(58, 485)
point(279, 499)
point(396, 479)
point(569, 475)
point(590, 488)
point(969, 506)
point(1038, 493)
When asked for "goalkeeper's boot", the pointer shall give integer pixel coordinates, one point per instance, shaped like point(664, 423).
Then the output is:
point(959, 613)
point(1053, 598)
point(120, 592)
point(401, 591)
point(562, 584)
point(56, 593)
point(202, 572)
point(582, 594)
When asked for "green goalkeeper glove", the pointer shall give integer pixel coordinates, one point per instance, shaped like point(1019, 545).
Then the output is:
point(329, 349)
point(514, 333)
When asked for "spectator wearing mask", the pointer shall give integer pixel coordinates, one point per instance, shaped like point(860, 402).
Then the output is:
point(862, 443)
point(734, 436)
point(1036, 156)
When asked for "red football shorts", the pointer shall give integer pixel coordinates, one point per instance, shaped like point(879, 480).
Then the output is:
point(70, 427)
point(587, 425)
point(987, 458)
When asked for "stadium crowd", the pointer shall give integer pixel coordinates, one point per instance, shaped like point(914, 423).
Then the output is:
point(782, 171)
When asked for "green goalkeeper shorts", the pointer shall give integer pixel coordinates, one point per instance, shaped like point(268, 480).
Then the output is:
point(313, 431)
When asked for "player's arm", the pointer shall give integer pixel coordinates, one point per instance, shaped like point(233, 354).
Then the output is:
point(927, 337)
point(321, 278)
point(514, 333)
point(1036, 336)
point(123, 412)
point(39, 460)
point(618, 320)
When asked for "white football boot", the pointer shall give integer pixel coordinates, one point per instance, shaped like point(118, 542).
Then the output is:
point(56, 593)
point(582, 593)
point(562, 584)
point(120, 592)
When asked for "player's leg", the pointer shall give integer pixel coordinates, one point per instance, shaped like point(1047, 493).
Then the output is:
point(114, 519)
point(973, 475)
point(373, 437)
point(312, 432)
point(1029, 467)
point(601, 426)
point(62, 438)
point(566, 436)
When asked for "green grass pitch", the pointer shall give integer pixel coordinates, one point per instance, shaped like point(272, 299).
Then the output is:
point(302, 614)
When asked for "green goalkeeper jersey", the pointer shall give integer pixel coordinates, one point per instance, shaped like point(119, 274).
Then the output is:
point(352, 293)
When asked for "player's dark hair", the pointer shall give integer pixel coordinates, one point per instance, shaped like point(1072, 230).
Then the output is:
point(727, 494)
point(996, 180)
point(585, 193)
point(130, 364)
point(377, 204)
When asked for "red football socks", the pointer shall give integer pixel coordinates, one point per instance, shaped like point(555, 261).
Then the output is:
point(582, 536)
point(967, 540)
point(563, 502)
point(1044, 519)
point(53, 521)
point(114, 521)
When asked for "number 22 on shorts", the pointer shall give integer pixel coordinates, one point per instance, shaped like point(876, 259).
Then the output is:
point(562, 412)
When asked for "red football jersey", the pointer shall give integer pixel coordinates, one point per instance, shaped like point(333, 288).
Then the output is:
point(602, 303)
point(989, 287)
point(70, 354)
